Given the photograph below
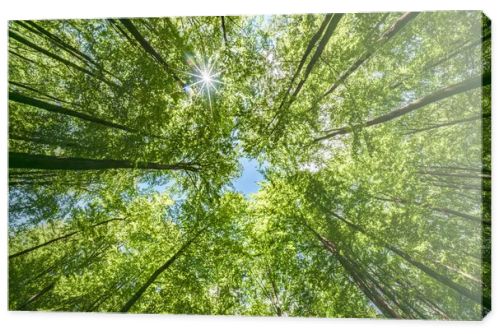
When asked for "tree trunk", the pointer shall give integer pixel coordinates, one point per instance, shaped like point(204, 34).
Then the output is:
point(37, 161)
point(48, 141)
point(66, 236)
point(149, 49)
point(159, 271)
point(437, 126)
point(20, 98)
point(389, 33)
point(27, 87)
point(324, 40)
point(223, 26)
point(353, 273)
point(466, 85)
point(475, 297)
point(36, 296)
point(66, 62)
point(438, 209)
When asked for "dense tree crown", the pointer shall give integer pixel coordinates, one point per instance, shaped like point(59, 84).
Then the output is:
point(372, 132)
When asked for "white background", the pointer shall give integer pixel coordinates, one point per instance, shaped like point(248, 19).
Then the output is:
point(38, 322)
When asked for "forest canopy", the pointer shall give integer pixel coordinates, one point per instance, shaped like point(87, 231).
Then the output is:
point(372, 133)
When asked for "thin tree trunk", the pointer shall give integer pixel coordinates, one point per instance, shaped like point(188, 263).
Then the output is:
point(39, 30)
point(37, 161)
point(310, 45)
point(159, 271)
point(332, 25)
point(388, 34)
point(23, 99)
point(468, 46)
point(482, 170)
point(66, 236)
point(149, 49)
point(27, 87)
point(223, 26)
point(66, 62)
point(401, 301)
point(374, 298)
point(461, 175)
point(119, 29)
point(431, 65)
point(47, 141)
point(466, 85)
point(275, 297)
point(438, 209)
point(23, 57)
point(309, 48)
point(452, 185)
point(475, 297)
point(324, 40)
point(36, 296)
point(437, 126)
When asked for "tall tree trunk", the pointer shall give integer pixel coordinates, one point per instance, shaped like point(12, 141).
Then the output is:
point(63, 237)
point(23, 99)
point(354, 274)
point(479, 170)
point(224, 33)
point(321, 46)
point(149, 49)
point(47, 141)
point(475, 297)
point(309, 48)
point(159, 271)
point(388, 34)
point(319, 50)
point(36, 296)
point(39, 30)
point(37, 161)
point(55, 40)
point(460, 175)
point(66, 62)
point(466, 85)
point(465, 46)
point(437, 126)
point(27, 87)
point(437, 209)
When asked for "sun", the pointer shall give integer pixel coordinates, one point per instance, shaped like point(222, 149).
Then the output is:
point(205, 77)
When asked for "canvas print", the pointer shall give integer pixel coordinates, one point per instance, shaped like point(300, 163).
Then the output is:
point(317, 165)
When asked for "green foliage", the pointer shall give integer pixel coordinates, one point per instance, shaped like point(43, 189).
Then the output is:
point(126, 135)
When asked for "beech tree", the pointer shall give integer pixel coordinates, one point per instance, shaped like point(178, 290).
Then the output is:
point(372, 133)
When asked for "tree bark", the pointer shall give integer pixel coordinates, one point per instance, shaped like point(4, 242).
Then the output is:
point(223, 26)
point(437, 126)
point(149, 49)
point(159, 271)
point(37, 161)
point(23, 99)
point(475, 297)
point(66, 62)
point(438, 209)
point(353, 273)
point(36, 296)
point(39, 30)
point(466, 85)
point(66, 236)
point(47, 141)
point(319, 50)
point(27, 87)
point(388, 34)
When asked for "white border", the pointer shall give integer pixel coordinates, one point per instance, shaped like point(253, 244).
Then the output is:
point(18, 322)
